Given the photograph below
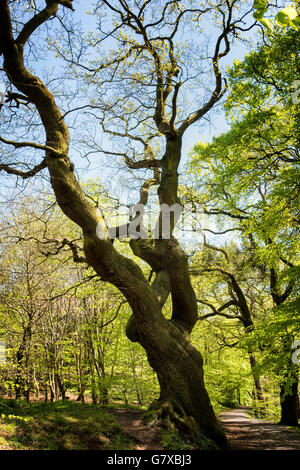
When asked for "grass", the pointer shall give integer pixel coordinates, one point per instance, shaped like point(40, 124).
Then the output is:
point(59, 426)
point(119, 405)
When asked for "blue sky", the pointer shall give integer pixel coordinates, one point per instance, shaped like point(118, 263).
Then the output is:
point(193, 134)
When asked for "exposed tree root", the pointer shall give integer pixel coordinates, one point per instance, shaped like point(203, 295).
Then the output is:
point(170, 416)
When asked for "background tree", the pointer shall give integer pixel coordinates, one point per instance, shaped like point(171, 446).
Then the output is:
point(75, 348)
point(240, 287)
point(250, 176)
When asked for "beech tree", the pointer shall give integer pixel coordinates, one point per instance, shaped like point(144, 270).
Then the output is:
point(231, 268)
point(148, 35)
point(249, 177)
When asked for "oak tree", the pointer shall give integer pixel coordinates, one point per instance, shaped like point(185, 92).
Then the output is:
point(150, 39)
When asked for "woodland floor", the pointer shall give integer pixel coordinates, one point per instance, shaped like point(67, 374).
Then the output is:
point(70, 425)
point(243, 431)
point(143, 437)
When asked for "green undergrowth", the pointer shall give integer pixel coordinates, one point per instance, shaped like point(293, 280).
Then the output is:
point(295, 428)
point(171, 440)
point(59, 426)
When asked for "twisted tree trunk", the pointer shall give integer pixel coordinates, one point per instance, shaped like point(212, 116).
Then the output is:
point(183, 402)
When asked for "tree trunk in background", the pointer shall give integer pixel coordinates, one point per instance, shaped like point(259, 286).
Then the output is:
point(289, 406)
point(19, 375)
point(22, 356)
point(289, 398)
point(259, 396)
point(52, 394)
point(93, 384)
point(60, 385)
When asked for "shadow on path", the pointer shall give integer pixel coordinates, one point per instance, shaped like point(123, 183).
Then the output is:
point(246, 433)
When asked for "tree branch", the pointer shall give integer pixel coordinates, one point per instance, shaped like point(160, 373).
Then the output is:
point(24, 174)
point(215, 248)
point(218, 93)
point(219, 311)
point(47, 148)
point(36, 21)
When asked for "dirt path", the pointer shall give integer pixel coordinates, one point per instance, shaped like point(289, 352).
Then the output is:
point(245, 433)
point(143, 437)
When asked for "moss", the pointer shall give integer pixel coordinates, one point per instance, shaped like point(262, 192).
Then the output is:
point(59, 426)
point(171, 440)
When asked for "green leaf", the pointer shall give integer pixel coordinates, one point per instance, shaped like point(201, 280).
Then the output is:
point(259, 13)
point(258, 4)
point(282, 19)
point(267, 23)
point(286, 16)
point(296, 22)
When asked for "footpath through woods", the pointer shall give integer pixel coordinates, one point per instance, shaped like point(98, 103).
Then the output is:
point(246, 433)
point(243, 431)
